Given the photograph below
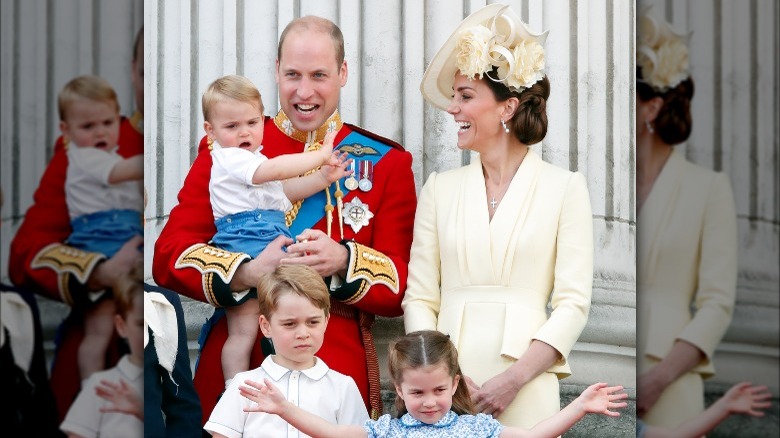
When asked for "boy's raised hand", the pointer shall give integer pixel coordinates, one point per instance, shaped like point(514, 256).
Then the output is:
point(600, 398)
point(122, 397)
point(267, 396)
point(745, 398)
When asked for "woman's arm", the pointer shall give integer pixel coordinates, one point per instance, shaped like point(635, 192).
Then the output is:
point(270, 400)
point(423, 291)
point(682, 358)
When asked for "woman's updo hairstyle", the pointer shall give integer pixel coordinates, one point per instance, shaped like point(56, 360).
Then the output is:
point(673, 123)
point(529, 123)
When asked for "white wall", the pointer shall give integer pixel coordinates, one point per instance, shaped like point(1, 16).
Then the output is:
point(388, 45)
point(734, 64)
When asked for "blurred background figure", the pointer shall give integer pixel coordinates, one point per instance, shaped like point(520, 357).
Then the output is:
point(47, 45)
point(707, 209)
point(23, 365)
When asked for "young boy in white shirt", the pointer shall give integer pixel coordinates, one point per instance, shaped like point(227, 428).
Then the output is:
point(294, 310)
point(91, 415)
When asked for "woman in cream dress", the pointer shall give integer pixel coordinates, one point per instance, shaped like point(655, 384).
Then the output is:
point(686, 240)
point(496, 240)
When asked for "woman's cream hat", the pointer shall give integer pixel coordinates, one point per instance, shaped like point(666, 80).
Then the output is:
point(493, 36)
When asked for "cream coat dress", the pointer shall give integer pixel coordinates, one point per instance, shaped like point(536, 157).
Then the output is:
point(686, 257)
point(488, 283)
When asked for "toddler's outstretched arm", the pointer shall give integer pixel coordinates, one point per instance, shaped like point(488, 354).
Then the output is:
point(129, 169)
point(597, 399)
point(270, 400)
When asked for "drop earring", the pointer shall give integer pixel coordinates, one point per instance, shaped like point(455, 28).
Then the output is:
point(503, 123)
point(649, 126)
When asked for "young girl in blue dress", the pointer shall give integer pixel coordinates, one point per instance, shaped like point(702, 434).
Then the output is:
point(430, 401)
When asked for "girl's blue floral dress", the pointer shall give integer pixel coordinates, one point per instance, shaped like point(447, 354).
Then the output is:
point(451, 425)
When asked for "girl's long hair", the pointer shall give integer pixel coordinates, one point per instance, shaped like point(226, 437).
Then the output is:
point(426, 348)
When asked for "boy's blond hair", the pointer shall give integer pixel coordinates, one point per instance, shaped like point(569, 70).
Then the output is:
point(231, 87)
point(85, 87)
point(297, 279)
point(126, 288)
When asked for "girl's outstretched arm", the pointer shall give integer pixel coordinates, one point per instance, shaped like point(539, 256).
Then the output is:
point(597, 399)
point(270, 400)
point(742, 398)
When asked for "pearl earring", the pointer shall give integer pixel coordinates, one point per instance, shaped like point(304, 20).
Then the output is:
point(503, 123)
point(649, 126)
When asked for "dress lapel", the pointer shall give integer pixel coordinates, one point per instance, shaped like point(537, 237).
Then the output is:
point(656, 213)
point(510, 216)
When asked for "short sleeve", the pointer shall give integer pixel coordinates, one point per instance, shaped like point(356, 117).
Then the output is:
point(378, 428)
point(95, 163)
point(487, 426)
point(83, 417)
point(352, 410)
point(228, 417)
point(238, 164)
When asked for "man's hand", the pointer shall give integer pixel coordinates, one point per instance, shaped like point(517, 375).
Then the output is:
point(248, 274)
point(106, 273)
point(315, 249)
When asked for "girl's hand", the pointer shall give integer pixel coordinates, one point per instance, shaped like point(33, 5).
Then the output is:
point(268, 397)
point(600, 398)
point(744, 398)
point(122, 398)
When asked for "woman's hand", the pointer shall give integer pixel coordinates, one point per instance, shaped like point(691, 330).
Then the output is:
point(123, 398)
point(496, 394)
point(600, 398)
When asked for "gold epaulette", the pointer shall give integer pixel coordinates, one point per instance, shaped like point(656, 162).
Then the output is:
point(66, 259)
point(208, 259)
point(372, 266)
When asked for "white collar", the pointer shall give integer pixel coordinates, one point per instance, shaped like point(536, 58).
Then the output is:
point(276, 371)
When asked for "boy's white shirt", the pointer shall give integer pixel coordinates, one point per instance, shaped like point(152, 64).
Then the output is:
point(231, 189)
point(319, 390)
point(86, 184)
point(84, 417)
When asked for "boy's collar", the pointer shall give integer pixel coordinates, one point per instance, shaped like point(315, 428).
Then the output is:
point(276, 371)
point(129, 369)
point(285, 125)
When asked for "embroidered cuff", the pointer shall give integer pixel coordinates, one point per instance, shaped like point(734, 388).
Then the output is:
point(217, 267)
point(73, 267)
point(365, 268)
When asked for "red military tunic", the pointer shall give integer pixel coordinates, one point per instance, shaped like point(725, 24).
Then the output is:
point(40, 262)
point(379, 253)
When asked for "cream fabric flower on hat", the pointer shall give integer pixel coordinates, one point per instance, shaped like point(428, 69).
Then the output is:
point(474, 51)
point(662, 53)
point(529, 65)
point(488, 38)
point(519, 60)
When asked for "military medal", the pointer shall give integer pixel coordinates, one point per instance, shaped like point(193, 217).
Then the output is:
point(356, 214)
point(351, 183)
point(366, 175)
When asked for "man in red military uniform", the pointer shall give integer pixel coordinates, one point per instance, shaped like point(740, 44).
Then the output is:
point(41, 262)
point(357, 234)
